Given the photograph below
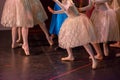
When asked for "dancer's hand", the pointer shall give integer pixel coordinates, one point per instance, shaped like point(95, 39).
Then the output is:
point(79, 9)
point(50, 9)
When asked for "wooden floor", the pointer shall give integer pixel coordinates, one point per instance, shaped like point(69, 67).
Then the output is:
point(44, 62)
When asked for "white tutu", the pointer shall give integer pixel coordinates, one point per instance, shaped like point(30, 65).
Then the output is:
point(105, 25)
point(76, 31)
point(17, 13)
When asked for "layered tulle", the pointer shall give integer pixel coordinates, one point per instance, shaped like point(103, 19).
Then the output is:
point(17, 13)
point(105, 25)
point(38, 11)
point(76, 31)
point(23, 13)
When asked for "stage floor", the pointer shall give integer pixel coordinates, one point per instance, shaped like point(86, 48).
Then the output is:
point(44, 62)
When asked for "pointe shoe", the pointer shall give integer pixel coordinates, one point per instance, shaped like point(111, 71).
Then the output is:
point(94, 64)
point(106, 52)
point(26, 50)
point(16, 45)
point(67, 59)
point(97, 57)
point(115, 45)
point(50, 41)
point(19, 41)
point(117, 55)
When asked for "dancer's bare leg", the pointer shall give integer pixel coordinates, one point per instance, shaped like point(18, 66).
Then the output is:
point(90, 52)
point(44, 29)
point(25, 45)
point(70, 56)
point(14, 37)
point(97, 48)
point(117, 44)
point(19, 35)
point(105, 48)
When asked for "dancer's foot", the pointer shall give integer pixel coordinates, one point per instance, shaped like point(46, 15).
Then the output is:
point(106, 52)
point(26, 50)
point(98, 57)
point(117, 55)
point(115, 45)
point(16, 45)
point(50, 41)
point(68, 59)
point(19, 41)
point(94, 64)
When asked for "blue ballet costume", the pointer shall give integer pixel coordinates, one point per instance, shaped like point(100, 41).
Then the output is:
point(56, 21)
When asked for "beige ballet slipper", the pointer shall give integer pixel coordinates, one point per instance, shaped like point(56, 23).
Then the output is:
point(19, 41)
point(117, 55)
point(106, 52)
point(67, 59)
point(94, 64)
point(115, 45)
point(26, 50)
point(98, 57)
point(16, 45)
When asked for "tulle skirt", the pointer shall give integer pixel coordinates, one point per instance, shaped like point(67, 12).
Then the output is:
point(105, 25)
point(118, 18)
point(23, 13)
point(76, 31)
point(38, 11)
point(17, 13)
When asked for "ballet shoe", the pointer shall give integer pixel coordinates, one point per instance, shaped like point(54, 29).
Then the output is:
point(97, 57)
point(117, 55)
point(26, 50)
point(67, 59)
point(16, 45)
point(19, 41)
point(50, 41)
point(115, 45)
point(106, 52)
point(94, 64)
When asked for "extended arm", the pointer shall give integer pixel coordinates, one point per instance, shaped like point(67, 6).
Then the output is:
point(55, 12)
point(91, 3)
point(101, 1)
point(59, 3)
point(65, 6)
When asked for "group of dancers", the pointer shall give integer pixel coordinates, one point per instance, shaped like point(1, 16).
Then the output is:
point(98, 25)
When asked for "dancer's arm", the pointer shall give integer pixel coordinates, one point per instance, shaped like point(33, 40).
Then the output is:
point(115, 5)
point(55, 12)
point(64, 8)
point(101, 1)
point(89, 6)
